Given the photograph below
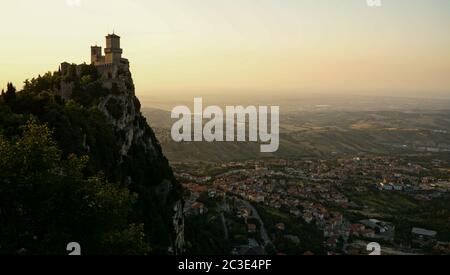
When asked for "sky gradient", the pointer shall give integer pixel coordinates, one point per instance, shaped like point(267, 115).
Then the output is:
point(216, 46)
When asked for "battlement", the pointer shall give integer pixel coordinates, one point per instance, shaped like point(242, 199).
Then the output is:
point(113, 52)
point(109, 66)
point(111, 63)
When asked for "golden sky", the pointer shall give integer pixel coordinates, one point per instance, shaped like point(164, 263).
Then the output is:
point(218, 46)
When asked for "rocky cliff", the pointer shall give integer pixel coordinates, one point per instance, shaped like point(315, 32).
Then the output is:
point(137, 159)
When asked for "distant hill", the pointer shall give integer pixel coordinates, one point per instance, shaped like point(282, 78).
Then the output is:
point(323, 134)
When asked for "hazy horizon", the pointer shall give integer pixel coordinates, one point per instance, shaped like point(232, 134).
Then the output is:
point(193, 47)
point(304, 102)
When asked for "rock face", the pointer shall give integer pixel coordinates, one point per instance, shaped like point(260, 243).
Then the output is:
point(140, 162)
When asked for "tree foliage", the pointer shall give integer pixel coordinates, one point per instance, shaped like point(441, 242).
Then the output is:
point(46, 202)
point(10, 95)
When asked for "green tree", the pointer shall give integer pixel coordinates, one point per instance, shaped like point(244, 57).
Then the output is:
point(10, 95)
point(45, 202)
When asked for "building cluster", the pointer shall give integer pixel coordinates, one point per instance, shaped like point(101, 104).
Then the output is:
point(312, 190)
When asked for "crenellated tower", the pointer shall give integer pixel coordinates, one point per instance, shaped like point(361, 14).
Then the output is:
point(96, 55)
point(113, 51)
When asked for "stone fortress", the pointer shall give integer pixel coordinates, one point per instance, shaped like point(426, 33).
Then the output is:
point(108, 65)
